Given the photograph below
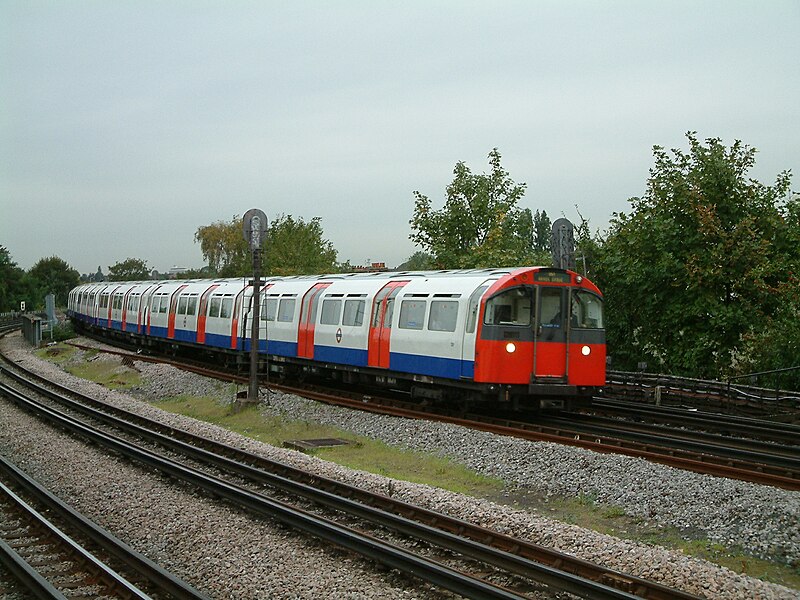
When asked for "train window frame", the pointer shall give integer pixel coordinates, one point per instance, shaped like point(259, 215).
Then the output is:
point(440, 319)
point(164, 307)
point(226, 310)
point(269, 309)
point(286, 309)
point(493, 319)
point(214, 306)
point(354, 311)
point(331, 312)
point(412, 313)
point(183, 302)
point(576, 322)
point(474, 306)
point(191, 306)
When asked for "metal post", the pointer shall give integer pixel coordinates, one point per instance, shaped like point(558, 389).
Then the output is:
point(255, 318)
point(254, 230)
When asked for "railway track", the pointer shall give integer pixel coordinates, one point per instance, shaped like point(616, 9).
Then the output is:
point(508, 558)
point(729, 425)
point(48, 562)
point(720, 458)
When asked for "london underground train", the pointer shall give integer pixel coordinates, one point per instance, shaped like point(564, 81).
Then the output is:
point(531, 337)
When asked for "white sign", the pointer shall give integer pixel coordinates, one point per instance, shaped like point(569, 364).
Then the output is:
point(22, 306)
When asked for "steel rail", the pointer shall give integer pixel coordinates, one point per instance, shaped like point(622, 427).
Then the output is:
point(763, 429)
point(655, 452)
point(383, 552)
point(111, 580)
point(394, 514)
point(741, 450)
point(154, 573)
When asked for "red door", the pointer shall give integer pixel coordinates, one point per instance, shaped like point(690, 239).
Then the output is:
point(380, 327)
point(308, 315)
point(202, 311)
point(173, 310)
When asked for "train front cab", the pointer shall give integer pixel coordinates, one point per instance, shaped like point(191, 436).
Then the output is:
point(542, 339)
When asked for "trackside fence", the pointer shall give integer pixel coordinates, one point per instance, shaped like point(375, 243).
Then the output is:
point(728, 396)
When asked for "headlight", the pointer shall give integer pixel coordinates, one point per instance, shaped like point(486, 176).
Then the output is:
point(586, 351)
point(511, 347)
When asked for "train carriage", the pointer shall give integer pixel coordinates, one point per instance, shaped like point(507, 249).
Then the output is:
point(530, 336)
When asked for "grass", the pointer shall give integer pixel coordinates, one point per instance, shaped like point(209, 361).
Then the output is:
point(105, 372)
point(362, 453)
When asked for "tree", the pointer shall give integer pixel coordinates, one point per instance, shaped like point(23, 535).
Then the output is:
point(223, 247)
point(419, 261)
point(13, 288)
point(130, 269)
point(542, 228)
point(52, 276)
point(480, 224)
point(699, 263)
point(292, 247)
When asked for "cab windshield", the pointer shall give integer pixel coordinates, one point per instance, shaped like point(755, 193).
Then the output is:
point(587, 310)
point(511, 307)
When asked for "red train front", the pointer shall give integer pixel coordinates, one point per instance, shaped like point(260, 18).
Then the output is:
point(542, 338)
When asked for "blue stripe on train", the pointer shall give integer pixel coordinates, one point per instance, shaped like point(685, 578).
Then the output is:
point(275, 347)
point(450, 368)
point(345, 356)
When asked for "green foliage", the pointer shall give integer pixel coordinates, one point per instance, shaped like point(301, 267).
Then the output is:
point(419, 261)
point(224, 248)
point(700, 263)
point(130, 269)
point(293, 247)
point(480, 224)
point(52, 276)
point(13, 284)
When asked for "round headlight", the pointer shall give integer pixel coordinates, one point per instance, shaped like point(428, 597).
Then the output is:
point(511, 347)
point(586, 351)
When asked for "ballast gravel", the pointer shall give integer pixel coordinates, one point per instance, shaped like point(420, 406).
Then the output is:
point(229, 555)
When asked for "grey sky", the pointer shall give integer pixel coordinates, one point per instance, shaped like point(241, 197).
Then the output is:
point(126, 125)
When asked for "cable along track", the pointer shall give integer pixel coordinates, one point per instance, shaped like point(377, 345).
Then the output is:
point(518, 558)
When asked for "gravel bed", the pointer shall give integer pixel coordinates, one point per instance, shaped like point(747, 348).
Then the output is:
point(253, 558)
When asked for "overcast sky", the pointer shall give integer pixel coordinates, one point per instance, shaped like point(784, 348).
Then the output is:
point(124, 126)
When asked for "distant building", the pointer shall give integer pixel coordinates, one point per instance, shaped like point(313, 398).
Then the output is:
point(175, 271)
point(371, 268)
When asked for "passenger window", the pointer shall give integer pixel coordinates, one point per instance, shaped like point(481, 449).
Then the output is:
point(444, 314)
point(164, 304)
point(387, 317)
point(511, 307)
point(354, 312)
point(331, 309)
point(182, 304)
point(269, 309)
point(474, 307)
point(286, 310)
point(191, 305)
point(214, 306)
point(225, 311)
point(412, 314)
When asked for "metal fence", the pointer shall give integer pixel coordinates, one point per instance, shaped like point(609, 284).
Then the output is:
point(669, 390)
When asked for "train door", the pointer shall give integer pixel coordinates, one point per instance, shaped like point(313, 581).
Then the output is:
point(308, 316)
point(173, 311)
point(380, 327)
point(202, 313)
point(550, 332)
point(247, 315)
point(470, 330)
